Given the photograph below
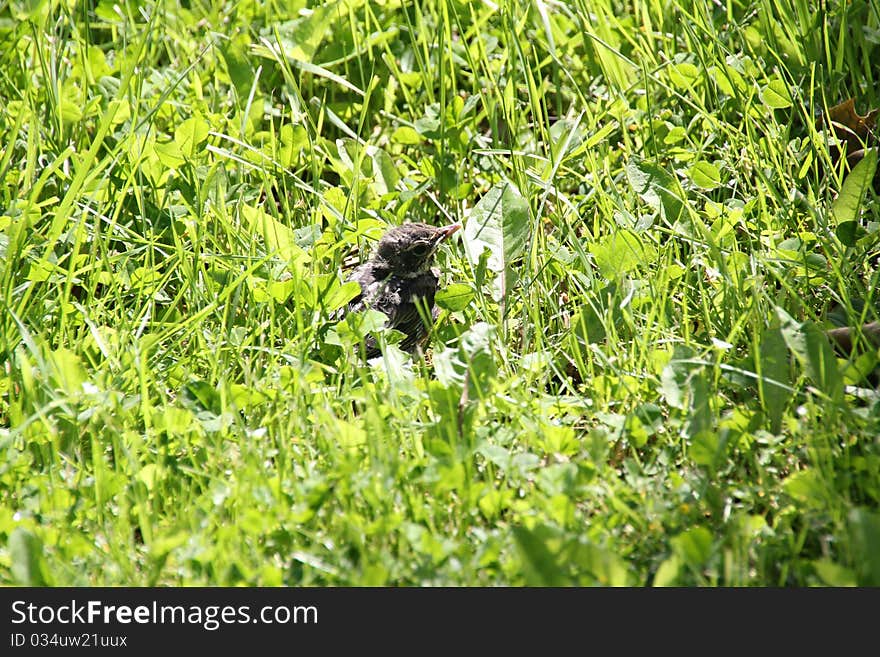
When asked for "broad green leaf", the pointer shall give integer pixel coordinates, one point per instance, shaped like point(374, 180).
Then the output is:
point(587, 325)
point(601, 135)
point(454, 297)
point(705, 175)
point(29, 10)
point(246, 397)
point(694, 546)
point(675, 375)
point(675, 135)
point(497, 455)
point(428, 126)
point(354, 327)
point(810, 346)
point(774, 377)
point(656, 187)
point(776, 95)
point(699, 423)
point(163, 545)
point(565, 136)
point(293, 141)
point(190, 135)
point(234, 51)
point(68, 372)
point(668, 572)
point(849, 232)
point(350, 434)
point(704, 449)
point(864, 527)
point(494, 502)
point(475, 347)
point(524, 462)
point(833, 574)
point(169, 154)
point(280, 291)
point(70, 111)
point(499, 222)
point(807, 487)
point(472, 362)
point(721, 79)
point(148, 475)
point(173, 419)
point(41, 270)
point(846, 206)
point(636, 433)
point(683, 75)
point(341, 295)
point(406, 135)
point(598, 566)
point(541, 567)
point(279, 239)
point(26, 555)
point(385, 175)
point(349, 153)
point(302, 37)
point(202, 395)
point(621, 252)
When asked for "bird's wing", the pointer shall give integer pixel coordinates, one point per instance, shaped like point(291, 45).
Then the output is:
point(409, 304)
point(409, 319)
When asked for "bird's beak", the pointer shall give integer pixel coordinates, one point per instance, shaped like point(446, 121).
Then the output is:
point(445, 231)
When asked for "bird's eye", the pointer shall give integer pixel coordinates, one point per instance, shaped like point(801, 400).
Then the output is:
point(421, 249)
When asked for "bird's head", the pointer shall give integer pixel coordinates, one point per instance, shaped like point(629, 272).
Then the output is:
point(408, 250)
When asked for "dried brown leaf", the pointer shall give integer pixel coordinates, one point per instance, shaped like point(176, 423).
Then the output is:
point(849, 126)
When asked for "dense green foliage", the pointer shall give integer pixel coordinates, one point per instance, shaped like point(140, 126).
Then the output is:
point(629, 386)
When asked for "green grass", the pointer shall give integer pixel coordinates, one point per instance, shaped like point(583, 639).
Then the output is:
point(632, 389)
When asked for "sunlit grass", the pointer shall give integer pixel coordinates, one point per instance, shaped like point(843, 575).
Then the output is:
point(650, 401)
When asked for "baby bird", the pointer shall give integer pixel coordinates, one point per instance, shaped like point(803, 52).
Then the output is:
point(398, 280)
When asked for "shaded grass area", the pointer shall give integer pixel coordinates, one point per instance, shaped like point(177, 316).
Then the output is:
point(642, 395)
